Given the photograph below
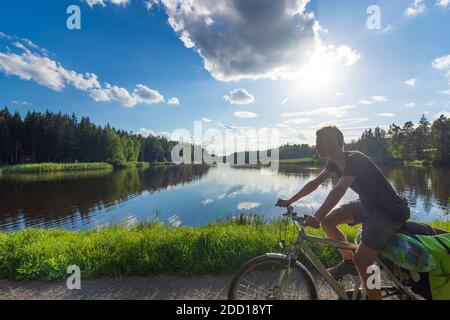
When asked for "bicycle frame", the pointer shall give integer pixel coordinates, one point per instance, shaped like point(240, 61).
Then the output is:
point(302, 246)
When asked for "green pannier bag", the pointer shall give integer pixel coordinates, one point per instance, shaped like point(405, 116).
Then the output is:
point(439, 276)
point(409, 253)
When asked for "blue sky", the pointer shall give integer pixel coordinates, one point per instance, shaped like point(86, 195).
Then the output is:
point(239, 64)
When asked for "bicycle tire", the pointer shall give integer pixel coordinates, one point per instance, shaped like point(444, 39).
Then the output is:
point(272, 259)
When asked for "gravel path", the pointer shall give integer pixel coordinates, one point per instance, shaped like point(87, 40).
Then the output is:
point(162, 287)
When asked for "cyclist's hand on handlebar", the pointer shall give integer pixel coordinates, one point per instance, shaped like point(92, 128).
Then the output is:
point(283, 203)
point(312, 222)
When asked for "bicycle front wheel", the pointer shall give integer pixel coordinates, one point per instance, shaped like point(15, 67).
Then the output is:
point(269, 277)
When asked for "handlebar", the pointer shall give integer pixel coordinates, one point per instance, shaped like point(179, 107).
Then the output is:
point(290, 213)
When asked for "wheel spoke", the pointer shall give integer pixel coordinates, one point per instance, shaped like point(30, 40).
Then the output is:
point(261, 282)
point(255, 290)
point(252, 283)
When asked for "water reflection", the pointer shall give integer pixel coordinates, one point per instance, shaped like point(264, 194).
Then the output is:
point(70, 200)
point(188, 195)
point(427, 190)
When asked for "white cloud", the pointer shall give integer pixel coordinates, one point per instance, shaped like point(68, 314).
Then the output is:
point(32, 63)
point(347, 54)
point(206, 120)
point(239, 96)
point(379, 98)
point(445, 92)
point(146, 132)
point(332, 111)
point(251, 39)
point(343, 122)
point(366, 102)
point(103, 3)
point(30, 67)
point(149, 4)
point(410, 104)
point(46, 72)
point(99, 95)
point(144, 94)
point(174, 101)
point(411, 82)
point(21, 103)
point(248, 205)
point(3, 35)
point(443, 3)
point(386, 115)
point(387, 29)
point(207, 201)
point(417, 7)
point(114, 93)
point(442, 63)
point(297, 121)
point(445, 113)
point(245, 114)
point(141, 94)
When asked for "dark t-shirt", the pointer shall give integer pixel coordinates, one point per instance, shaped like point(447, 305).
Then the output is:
point(371, 185)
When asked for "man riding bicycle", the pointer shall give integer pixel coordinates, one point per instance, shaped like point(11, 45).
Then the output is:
point(380, 210)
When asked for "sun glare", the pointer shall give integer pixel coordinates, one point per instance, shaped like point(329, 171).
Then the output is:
point(317, 76)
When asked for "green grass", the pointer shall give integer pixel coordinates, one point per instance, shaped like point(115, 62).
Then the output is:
point(58, 175)
point(147, 249)
point(129, 165)
point(68, 167)
point(417, 163)
point(54, 167)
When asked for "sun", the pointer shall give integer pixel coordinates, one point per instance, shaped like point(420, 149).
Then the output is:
point(318, 75)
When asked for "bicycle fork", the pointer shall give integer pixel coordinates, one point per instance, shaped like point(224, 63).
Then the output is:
point(283, 278)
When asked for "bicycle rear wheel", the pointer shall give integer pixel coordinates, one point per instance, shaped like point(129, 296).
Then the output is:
point(269, 278)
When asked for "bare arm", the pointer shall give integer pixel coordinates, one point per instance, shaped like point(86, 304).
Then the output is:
point(334, 197)
point(307, 189)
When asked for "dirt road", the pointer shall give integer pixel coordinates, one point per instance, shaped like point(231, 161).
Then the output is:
point(165, 287)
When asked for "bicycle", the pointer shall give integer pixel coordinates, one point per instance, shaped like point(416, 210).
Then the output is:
point(284, 277)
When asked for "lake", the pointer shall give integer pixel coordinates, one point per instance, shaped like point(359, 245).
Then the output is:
point(188, 195)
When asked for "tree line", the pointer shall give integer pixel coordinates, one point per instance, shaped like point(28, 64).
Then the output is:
point(425, 141)
point(55, 137)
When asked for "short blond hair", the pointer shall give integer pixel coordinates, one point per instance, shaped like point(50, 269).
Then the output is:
point(332, 133)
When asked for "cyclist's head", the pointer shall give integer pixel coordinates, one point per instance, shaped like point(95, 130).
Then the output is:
point(329, 140)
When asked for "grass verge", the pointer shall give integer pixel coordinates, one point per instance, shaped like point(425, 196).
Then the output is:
point(54, 167)
point(147, 249)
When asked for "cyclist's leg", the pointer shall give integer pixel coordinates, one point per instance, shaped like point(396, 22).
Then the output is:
point(365, 257)
point(377, 230)
point(346, 214)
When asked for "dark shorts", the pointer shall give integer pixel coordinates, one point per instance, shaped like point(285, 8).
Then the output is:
point(377, 227)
